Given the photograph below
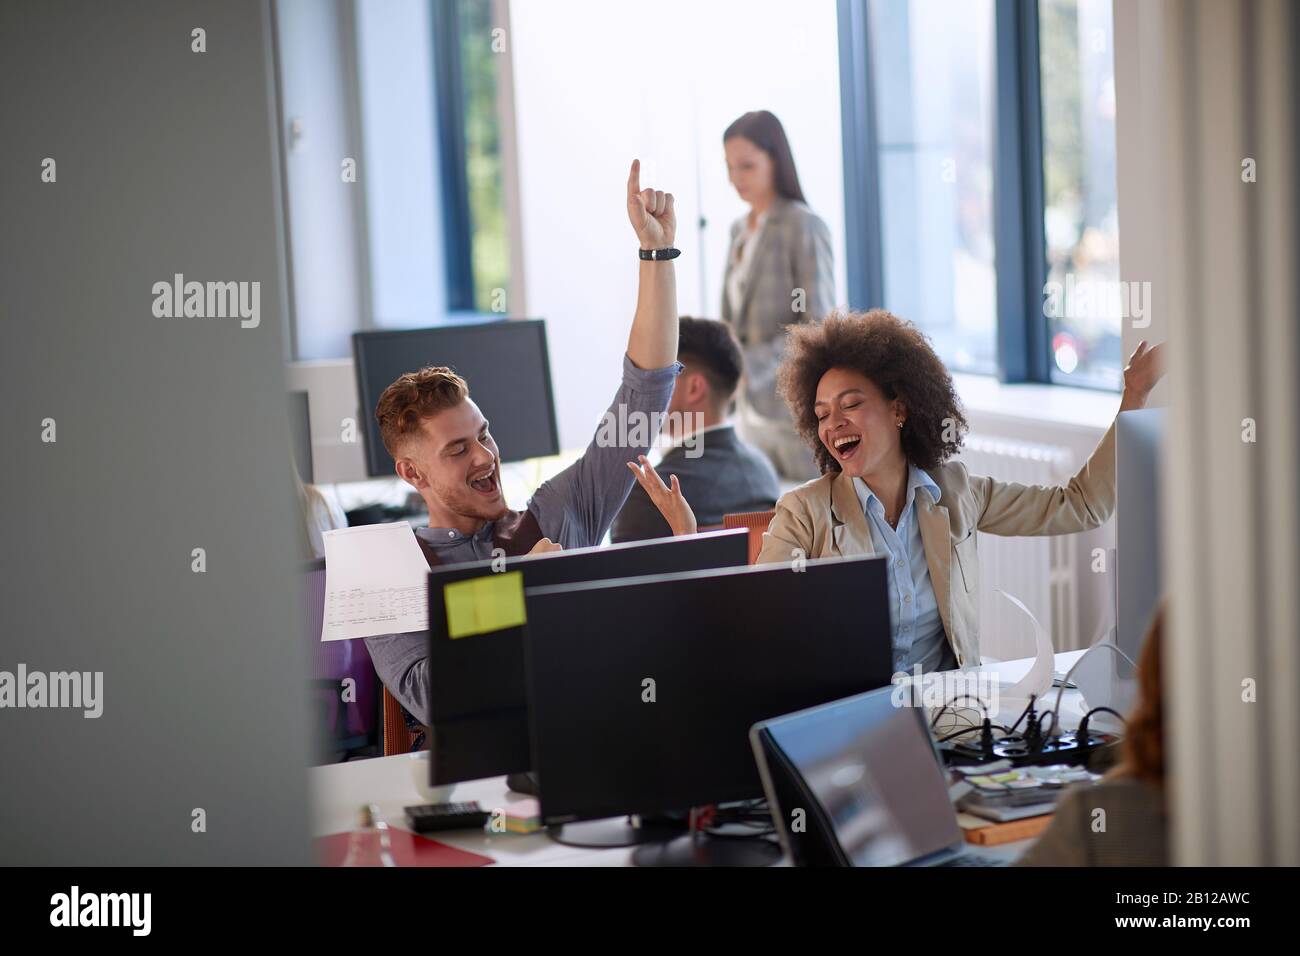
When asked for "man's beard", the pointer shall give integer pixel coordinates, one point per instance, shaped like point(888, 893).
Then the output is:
point(489, 511)
point(465, 503)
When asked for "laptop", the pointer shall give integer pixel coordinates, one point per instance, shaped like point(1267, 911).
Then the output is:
point(858, 782)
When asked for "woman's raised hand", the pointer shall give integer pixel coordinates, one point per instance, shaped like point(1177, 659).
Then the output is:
point(675, 509)
point(1145, 367)
point(650, 211)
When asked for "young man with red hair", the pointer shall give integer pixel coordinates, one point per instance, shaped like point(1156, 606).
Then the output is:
point(443, 448)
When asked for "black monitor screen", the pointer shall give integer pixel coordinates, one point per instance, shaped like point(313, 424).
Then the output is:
point(477, 689)
point(504, 362)
point(642, 693)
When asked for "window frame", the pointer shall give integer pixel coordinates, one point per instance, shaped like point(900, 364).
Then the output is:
point(1020, 243)
point(453, 179)
point(862, 221)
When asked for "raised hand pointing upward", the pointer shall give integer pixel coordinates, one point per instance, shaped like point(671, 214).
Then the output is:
point(650, 211)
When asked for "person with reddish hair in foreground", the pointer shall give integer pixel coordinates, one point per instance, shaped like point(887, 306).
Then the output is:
point(1122, 820)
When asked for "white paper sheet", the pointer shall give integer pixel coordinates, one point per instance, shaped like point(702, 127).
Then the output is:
point(375, 582)
point(1039, 679)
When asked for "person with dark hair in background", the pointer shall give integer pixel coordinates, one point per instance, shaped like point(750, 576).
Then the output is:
point(780, 271)
point(1131, 796)
point(718, 473)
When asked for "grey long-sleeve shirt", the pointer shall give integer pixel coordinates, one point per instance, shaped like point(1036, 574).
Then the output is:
point(574, 509)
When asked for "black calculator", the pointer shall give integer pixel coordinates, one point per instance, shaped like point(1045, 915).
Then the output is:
point(446, 816)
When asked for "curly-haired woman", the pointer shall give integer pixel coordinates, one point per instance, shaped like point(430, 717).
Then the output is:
point(878, 408)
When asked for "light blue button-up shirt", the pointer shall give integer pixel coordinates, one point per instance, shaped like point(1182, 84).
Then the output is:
point(916, 628)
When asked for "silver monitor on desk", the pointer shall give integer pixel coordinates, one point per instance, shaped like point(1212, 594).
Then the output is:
point(1139, 437)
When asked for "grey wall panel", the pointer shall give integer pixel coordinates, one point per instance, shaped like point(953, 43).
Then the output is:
point(170, 436)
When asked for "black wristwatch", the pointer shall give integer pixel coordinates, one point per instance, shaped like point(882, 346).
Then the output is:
point(657, 254)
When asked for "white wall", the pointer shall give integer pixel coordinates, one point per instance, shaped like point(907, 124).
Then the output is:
point(331, 387)
point(1071, 418)
point(357, 77)
point(1139, 170)
point(326, 218)
point(401, 179)
point(599, 83)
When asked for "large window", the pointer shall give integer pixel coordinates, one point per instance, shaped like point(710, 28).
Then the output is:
point(980, 159)
point(934, 95)
point(468, 53)
point(1081, 219)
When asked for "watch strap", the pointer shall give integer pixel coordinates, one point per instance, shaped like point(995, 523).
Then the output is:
point(659, 254)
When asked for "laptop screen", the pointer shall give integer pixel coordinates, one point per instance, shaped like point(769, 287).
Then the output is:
point(872, 768)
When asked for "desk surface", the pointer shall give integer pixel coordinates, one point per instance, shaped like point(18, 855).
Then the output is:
point(338, 790)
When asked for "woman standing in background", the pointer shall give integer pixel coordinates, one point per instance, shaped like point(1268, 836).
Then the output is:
point(780, 271)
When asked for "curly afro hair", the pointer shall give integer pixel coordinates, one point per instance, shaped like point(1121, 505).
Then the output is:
point(897, 358)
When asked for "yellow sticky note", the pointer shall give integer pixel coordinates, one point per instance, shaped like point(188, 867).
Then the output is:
point(480, 605)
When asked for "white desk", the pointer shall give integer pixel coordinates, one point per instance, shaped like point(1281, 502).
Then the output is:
point(1010, 671)
point(338, 790)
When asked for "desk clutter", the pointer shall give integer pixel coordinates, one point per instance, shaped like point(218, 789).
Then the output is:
point(1041, 742)
point(633, 738)
point(1013, 794)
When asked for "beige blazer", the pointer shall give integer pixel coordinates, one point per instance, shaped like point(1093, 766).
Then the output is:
point(824, 518)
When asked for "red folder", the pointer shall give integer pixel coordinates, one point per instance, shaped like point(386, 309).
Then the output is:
point(408, 849)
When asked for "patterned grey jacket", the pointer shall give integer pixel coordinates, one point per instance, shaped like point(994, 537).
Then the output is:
point(794, 252)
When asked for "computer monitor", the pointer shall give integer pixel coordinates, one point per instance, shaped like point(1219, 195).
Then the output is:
point(478, 708)
point(1139, 436)
point(505, 363)
point(868, 779)
point(642, 692)
point(300, 432)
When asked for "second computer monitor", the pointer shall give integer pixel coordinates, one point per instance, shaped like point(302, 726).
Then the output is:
point(1139, 435)
point(477, 694)
point(642, 692)
point(504, 362)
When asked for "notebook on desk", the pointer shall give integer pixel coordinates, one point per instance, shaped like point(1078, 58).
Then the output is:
point(983, 833)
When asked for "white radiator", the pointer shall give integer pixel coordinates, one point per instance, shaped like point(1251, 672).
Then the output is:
point(1039, 571)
